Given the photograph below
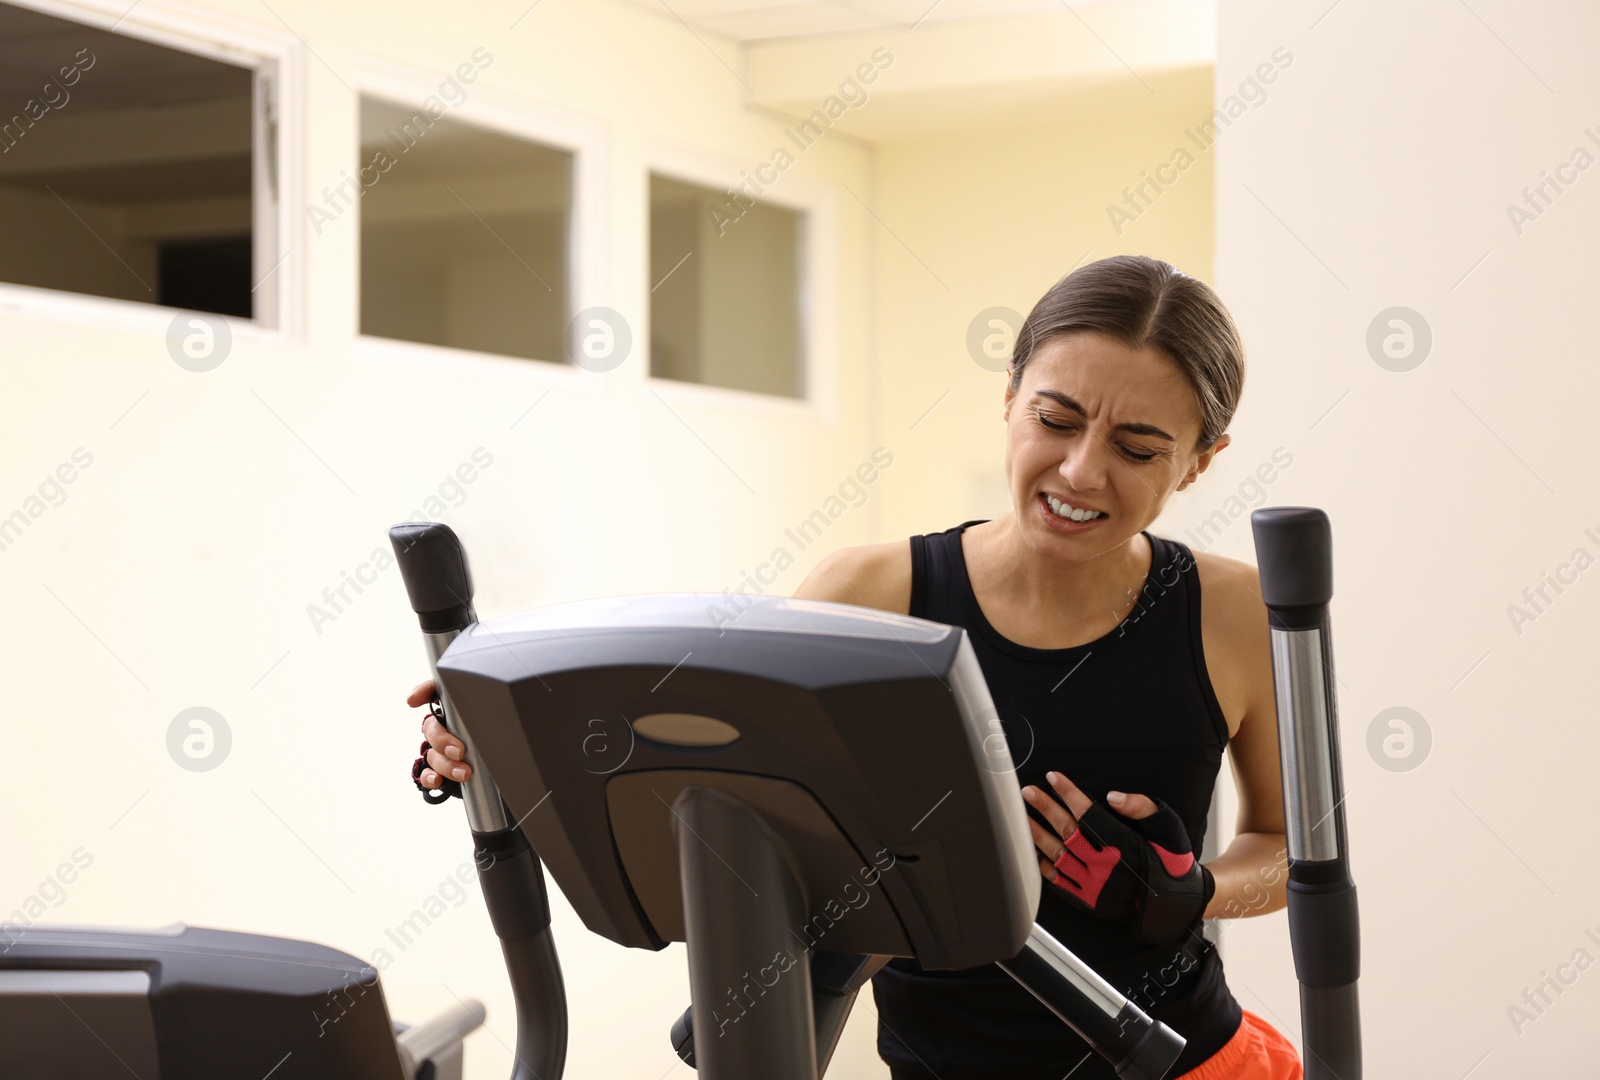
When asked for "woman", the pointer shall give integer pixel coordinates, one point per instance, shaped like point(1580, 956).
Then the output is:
point(1116, 689)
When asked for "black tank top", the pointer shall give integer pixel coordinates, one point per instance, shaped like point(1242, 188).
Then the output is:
point(1133, 711)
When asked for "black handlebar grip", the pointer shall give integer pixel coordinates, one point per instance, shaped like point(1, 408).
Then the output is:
point(1294, 548)
point(433, 565)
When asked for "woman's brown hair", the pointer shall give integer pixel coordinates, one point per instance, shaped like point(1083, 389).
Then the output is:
point(1144, 302)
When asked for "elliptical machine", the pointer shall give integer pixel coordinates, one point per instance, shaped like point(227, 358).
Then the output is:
point(735, 787)
point(725, 785)
point(747, 816)
point(718, 784)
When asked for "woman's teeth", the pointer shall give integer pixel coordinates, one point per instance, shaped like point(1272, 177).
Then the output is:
point(1063, 510)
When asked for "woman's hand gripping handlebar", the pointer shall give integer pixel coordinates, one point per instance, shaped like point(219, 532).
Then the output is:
point(443, 766)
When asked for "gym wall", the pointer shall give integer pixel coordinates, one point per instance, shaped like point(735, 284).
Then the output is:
point(1394, 166)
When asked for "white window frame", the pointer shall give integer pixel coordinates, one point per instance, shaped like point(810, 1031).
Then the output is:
point(819, 280)
point(517, 117)
point(275, 55)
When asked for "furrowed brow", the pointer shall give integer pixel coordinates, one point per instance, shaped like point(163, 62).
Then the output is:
point(1136, 428)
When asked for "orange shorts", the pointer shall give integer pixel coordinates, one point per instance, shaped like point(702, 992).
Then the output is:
point(1257, 1051)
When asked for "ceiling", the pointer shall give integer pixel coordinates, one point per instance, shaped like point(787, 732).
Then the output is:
point(755, 20)
point(970, 64)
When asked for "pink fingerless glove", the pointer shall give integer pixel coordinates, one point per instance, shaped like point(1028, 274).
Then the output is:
point(1140, 872)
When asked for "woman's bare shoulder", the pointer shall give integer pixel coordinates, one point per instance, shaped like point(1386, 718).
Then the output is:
point(1233, 622)
point(1232, 607)
point(1220, 570)
point(867, 575)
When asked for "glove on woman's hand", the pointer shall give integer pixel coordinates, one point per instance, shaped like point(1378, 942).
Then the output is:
point(1135, 868)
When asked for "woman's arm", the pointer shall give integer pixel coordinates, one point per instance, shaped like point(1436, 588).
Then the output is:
point(1252, 874)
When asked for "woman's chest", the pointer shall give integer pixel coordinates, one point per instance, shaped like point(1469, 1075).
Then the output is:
point(1099, 701)
point(1123, 675)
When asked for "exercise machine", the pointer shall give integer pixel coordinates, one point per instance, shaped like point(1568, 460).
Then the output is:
point(743, 787)
point(740, 788)
point(189, 1003)
point(686, 779)
point(1294, 551)
point(1294, 548)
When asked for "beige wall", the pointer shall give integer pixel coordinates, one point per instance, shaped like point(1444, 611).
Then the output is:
point(1379, 175)
point(984, 218)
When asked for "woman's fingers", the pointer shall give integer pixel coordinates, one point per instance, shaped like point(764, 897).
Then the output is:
point(1076, 801)
point(439, 735)
point(446, 752)
point(1056, 814)
point(455, 770)
point(1132, 806)
point(421, 695)
point(447, 744)
point(1048, 843)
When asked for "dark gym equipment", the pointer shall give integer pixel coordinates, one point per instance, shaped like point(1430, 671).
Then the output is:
point(1294, 550)
point(186, 1003)
point(742, 786)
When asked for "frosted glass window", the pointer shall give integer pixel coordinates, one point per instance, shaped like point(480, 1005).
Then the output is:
point(725, 301)
point(131, 170)
point(464, 234)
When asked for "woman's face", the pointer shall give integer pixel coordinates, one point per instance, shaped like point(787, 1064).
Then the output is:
point(1103, 427)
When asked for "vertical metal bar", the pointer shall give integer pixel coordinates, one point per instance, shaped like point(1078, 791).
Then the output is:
point(741, 903)
point(1304, 730)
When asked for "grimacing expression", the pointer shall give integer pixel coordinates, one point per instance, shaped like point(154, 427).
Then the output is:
point(1106, 426)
